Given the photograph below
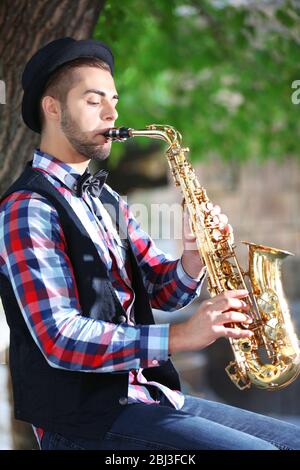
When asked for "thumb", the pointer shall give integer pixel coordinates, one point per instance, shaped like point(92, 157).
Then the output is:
point(189, 239)
point(187, 225)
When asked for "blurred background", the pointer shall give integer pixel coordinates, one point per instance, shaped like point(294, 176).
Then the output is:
point(226, 74)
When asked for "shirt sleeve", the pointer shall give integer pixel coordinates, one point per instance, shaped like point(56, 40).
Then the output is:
point(34, 258)
point(168, 285)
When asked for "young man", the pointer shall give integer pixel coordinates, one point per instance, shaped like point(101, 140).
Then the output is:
point(90, 369)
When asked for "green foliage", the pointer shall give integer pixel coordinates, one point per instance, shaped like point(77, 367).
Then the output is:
point(221, 74)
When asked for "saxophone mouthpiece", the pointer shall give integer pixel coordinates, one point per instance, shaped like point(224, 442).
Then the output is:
point(118, 133)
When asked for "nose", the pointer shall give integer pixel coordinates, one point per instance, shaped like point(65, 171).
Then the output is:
point(109, 112)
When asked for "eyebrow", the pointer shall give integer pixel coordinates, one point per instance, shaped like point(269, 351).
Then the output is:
point(99, 92)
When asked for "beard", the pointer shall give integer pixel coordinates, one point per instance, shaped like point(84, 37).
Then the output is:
point(79, 140)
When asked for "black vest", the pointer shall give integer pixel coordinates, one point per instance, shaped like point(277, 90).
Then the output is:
point(74, 403)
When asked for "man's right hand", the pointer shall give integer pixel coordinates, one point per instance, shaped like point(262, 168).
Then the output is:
point(209, 322)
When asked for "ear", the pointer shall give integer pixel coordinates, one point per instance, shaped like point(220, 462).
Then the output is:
point(51, 108)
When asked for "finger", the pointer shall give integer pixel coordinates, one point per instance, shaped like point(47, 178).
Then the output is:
point(216, 219)
point(227, 300)
point(223, 305)
point(228, 232)
point(233, 317)
point(234, 304)
point(227, 229)
point(221, 302)
point(234, 293)
point(234, 333)
point(216, 210)
point(223, 219)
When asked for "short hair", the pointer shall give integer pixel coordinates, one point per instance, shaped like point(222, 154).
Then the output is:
point(64, 78)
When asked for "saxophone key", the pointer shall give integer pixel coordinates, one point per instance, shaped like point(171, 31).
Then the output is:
point(227, 268)
point(209, 206)
point(216, 234)
point(245, 345)
point(233, 283)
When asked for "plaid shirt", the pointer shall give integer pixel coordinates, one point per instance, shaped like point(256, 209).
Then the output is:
point(34, 258)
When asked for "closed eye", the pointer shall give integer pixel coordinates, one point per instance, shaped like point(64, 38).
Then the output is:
point(93, 102)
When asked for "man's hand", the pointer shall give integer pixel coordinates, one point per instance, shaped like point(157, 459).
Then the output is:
point(191, 260)
point(209, 322)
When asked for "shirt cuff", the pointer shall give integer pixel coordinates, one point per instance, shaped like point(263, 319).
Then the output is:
point(154, 345)
point(187, 280)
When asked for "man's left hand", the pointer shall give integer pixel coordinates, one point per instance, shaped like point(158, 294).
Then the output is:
point(191, 259)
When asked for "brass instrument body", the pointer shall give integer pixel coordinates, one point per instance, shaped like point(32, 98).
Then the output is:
point(270, 359)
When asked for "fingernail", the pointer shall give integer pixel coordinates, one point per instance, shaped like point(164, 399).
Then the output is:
point(248, 319)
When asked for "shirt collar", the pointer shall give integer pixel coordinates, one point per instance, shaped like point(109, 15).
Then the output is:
point(63, 172)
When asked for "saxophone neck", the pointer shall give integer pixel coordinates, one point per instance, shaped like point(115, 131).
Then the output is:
point(154, 131)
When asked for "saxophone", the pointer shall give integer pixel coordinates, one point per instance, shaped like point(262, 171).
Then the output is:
point(270, 359)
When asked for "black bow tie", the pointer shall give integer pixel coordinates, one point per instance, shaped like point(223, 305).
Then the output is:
point(91, 183)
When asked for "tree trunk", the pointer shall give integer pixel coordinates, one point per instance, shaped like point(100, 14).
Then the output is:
point(25, 26)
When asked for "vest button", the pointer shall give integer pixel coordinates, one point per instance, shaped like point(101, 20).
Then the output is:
point(122, 319)
point(123, 401)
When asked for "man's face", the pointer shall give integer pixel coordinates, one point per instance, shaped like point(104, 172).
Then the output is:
point(89, 111)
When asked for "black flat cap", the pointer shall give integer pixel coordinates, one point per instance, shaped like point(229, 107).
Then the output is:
point(45, 61)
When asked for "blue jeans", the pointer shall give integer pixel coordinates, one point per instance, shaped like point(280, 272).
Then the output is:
point(200, 424)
